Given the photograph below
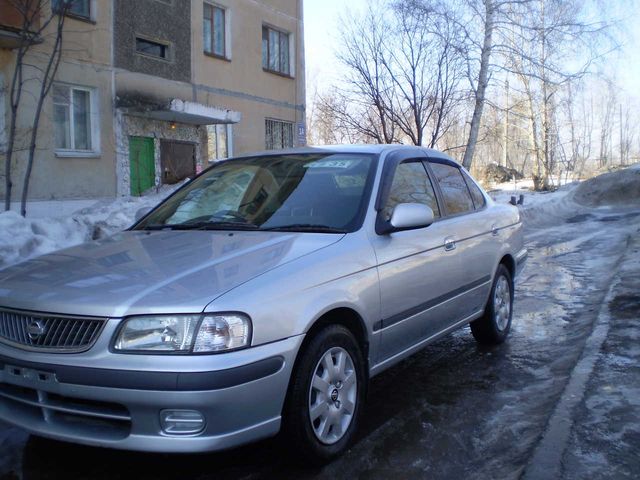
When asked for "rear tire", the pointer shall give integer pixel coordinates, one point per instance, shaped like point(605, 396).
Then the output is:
point(494, 326)
point(325, 396)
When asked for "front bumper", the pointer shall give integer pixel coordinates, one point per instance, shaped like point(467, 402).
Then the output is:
point(240, 396)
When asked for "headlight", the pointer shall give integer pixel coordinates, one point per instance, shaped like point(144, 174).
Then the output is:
point(184, 333)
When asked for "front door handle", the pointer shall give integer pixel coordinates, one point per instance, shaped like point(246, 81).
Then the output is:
point(449, 244)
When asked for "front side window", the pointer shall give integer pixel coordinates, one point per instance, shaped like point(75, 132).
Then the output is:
point(278, 134)
point(81, 8)
point(151, 48)
point(218, 142)
point(325, 193)
point(457, 198)
point(275, 51)
point(72, 111)
point(214, 30)
point(411, 184)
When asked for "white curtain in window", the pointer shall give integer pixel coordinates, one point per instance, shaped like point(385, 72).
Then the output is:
point(72, 118)
point(61, 117)
point(81, 120)
point(218, 29)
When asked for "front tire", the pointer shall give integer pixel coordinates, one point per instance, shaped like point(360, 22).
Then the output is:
point(326, 394)
point(494, 326)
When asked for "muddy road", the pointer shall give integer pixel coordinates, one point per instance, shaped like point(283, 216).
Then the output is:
point(558, 400)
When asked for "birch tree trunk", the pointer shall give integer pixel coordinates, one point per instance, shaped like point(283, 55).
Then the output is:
point(483, 81)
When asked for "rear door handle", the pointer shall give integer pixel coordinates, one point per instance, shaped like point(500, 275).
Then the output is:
point(494, 230)
point(449, 244)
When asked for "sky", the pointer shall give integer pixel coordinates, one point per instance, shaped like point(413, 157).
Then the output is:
point(321, 21)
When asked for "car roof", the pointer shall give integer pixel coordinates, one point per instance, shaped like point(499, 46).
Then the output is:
point(375, 149)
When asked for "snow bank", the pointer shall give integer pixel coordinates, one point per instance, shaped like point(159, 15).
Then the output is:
point(621, 188)
point(542, 207)
point(23, 238)
point(617, 189)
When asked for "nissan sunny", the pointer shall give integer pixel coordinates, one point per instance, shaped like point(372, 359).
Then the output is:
point(259, 297)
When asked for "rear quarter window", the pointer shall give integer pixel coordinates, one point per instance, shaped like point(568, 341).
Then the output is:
point(455, 192)
point(476, 194)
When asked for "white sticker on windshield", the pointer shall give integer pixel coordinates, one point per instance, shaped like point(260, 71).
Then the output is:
point(332, 164)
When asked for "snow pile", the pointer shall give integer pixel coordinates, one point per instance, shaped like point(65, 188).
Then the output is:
point(542, 207)
point(23, 238)
point(621, 188)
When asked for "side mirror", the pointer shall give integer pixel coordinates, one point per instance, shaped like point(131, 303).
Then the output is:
point(142, 212)
point(407, 216)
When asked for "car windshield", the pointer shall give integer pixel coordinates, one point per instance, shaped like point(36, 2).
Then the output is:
point(310, 192)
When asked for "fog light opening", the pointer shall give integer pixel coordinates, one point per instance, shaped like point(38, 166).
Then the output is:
point(181, 422)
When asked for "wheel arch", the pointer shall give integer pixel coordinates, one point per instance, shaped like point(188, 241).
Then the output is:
point(348, 318)
point(510, 263)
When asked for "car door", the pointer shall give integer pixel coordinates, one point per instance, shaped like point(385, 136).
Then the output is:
point(470, 234)
point(416, 271)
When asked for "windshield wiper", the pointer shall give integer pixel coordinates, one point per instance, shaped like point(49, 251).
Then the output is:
point(204, 226)
point(305, 227)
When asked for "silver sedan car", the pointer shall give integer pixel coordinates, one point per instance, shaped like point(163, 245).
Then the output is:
point(261, 296)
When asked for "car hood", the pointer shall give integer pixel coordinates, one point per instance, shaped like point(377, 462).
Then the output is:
point(150, 272)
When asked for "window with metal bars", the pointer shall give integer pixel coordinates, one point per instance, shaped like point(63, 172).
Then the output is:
point(278, 134)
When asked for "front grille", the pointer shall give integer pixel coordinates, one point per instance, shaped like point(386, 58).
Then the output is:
point(105, 420)
point(49, 332)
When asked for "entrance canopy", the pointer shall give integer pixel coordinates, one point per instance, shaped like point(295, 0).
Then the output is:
point(191, 113)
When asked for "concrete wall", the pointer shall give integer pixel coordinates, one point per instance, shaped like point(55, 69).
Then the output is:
point(164, 22)
point(241, 84)
point(100, 58)
point(86, 62)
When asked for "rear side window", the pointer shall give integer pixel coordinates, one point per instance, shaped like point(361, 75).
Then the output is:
point(476, 194)
point(411, 184)
point(454, 189)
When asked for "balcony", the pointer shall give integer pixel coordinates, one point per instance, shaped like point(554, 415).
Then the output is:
point(12, 15)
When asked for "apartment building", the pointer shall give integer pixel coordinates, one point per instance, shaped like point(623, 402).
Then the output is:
point(151, 92)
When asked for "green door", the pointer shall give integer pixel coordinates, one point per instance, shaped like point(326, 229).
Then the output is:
point(142, 162)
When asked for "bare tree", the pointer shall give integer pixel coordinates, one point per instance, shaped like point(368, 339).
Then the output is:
point(38, 19)
point(403, 71)
point(366, 99)
point(626, 134)
point(550, 45)
point(579, 124)
point(426, 65)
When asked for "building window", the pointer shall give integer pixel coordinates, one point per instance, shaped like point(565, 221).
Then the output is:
point(275, 51)
point(214, 35)
point(73, 114)
point(151, 48)
point(219, 142)
point(279, 134)
point(79, 8)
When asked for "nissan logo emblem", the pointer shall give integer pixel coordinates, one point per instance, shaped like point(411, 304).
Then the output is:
point(35, 330)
